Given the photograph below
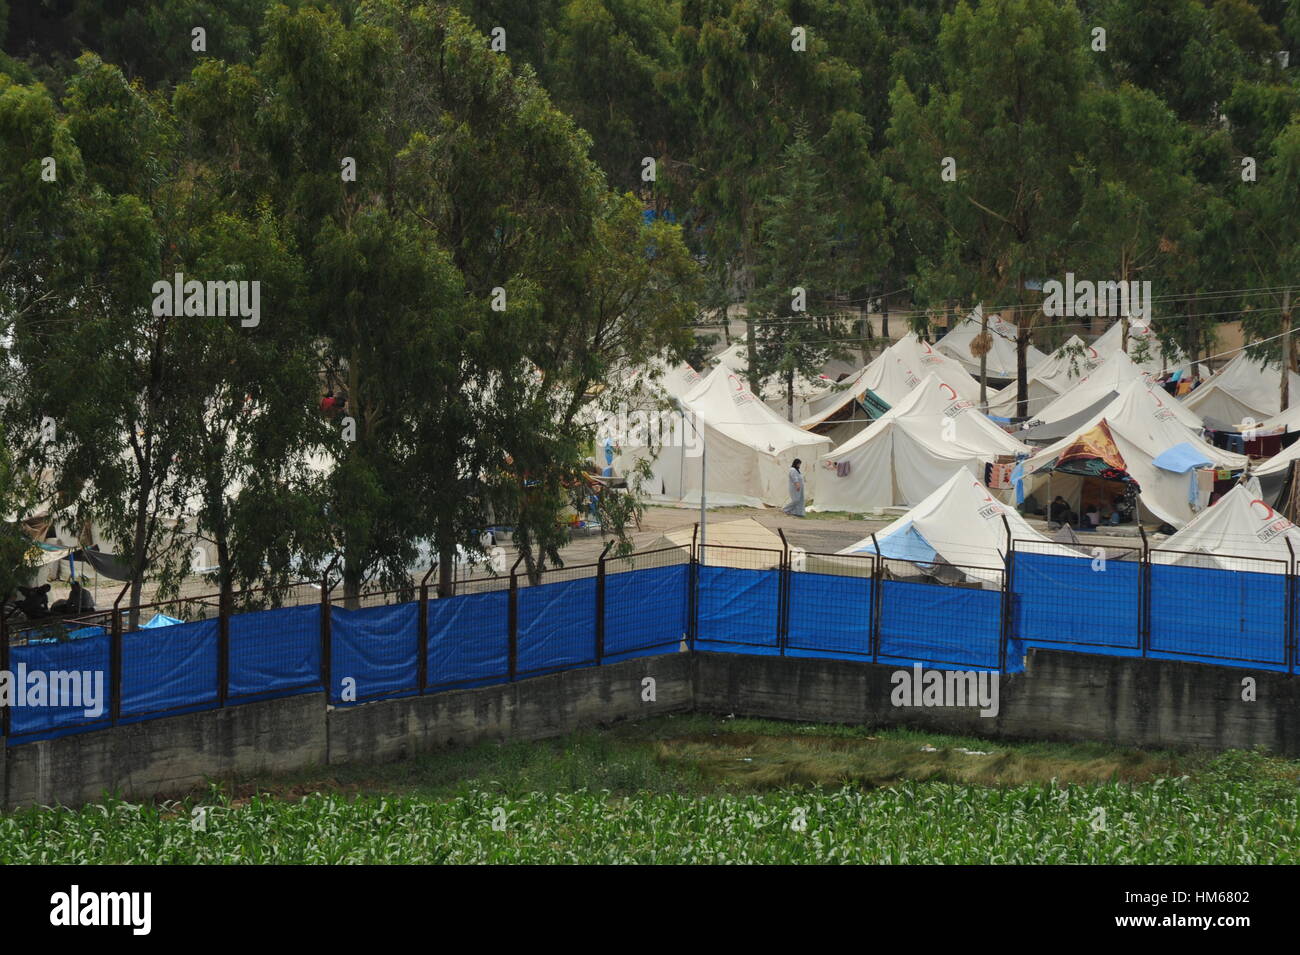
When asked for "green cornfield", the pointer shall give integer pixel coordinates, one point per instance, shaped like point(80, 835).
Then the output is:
point(705, 790)
point(909, 823)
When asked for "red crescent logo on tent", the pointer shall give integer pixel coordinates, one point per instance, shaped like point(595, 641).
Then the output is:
point(981, 487)
point(1159, 403)
point(739, 386)
point(1093, 350)
point(1268, 515)
point(926, 346)
point(951, 390)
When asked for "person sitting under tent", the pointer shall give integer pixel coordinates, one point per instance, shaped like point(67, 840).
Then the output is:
point(79, 600)
point(1066, 516)
point(35, 602)
point(1058, 511)
point(796, 505)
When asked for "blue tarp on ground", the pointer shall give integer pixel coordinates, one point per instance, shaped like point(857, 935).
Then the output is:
point(645, 611)
point(1075, 604)
point(907, 544)
point(169, 667)
point(940, 626)
point(161, 620)
point(89, 654)
point(1200, 613)
point(377, 647)
point(737, 610)
point(830, 614)
point(274, 650)
point(557, 626)
point(469, 639)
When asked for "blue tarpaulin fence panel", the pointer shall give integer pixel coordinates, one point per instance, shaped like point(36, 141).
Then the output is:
point(90, 653)
point(1075, 603)
point(737, 610)
point(830, 615)
point(274, 650)
point(940, 626)
point(1220, 616)
point(168, 668)
point(469, 639)
point(557, 626)
point(377, 647)
point(645, 611)
point(1213, 616)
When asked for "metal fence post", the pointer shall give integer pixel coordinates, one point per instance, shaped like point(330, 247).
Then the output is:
point(877, 588)
point(326, 631)
point(600, 603)
point(4, 668)
point(1291, 641)
point(422, 664)
point(115, 657)
point(223, 647)
point(693, 594)
point(513, 619)
point(1144, 595)
point(783, 595)
point(1007, 597)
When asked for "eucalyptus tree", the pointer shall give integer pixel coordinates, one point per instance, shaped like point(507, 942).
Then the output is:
point(986, 154)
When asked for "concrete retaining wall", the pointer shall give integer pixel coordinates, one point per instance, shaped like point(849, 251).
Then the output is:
point(168, 755)
point(536, 708)
point(1072, 696)
point(173, 754)
point(1060, 696)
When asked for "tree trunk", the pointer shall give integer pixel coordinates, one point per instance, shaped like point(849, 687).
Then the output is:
point(751, 354)
point(984, 363)
point(865, 340)
point(1288, 353)
point(351, 585)
point(1022, 351)
point(884, 313)
point(1123, 277)
point(1191, 339)
point(446, 568)
point(789, 395)
point(139, 542)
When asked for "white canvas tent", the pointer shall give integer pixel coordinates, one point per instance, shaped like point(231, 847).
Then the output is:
point(1143, 424)
point(736, 360)
point(1245, 391)
point(743, 543)
point(911, 450)
point(901, 367)
point(889, 377)
point(1001, 360)
point(1047, 380)
point(1115, 373)
point(1111, 341)
point(1240, 532)
point(1288, 420)
point(960, 523)
point(650, 428)
point(824, 404)
point(841, 411)
point(749, 447)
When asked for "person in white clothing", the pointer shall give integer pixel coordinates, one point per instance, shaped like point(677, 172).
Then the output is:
point(795, 507)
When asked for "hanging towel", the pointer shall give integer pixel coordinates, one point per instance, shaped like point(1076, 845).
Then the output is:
point(1018, 482)
point(1204, 488)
